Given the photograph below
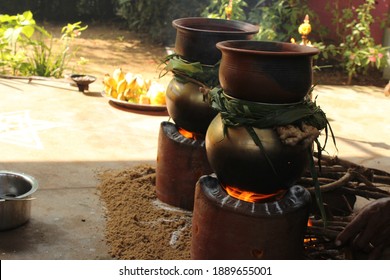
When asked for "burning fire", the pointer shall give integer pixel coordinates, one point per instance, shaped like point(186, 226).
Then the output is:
point(187, 134)
point(309, 239)
point(252, 196)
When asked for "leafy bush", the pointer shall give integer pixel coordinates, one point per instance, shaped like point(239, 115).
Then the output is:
point(154, 18)
point(44, 61)
point(61, 10)
point(15, 30)
point(216, 9)
point(357, 52)
point(27, 49)
point(279, 20)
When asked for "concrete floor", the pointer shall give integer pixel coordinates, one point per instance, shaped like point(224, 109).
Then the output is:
point(62, 137)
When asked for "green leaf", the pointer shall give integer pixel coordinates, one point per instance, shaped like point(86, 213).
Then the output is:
point(317, 189)
point(28, 15)
point(179, 65)
point(28, 30)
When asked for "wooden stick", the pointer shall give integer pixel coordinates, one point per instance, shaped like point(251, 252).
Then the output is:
point(364, 193)
point(321, 231)
point(330, 223)
point(334, 185)
point(381, 179)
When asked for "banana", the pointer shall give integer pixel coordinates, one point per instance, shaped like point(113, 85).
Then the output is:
point(145, 100)
point(118, 75)
point(114, 93)
point(121, 87)
point(109, 81)
point(133, 88)
point(121, 96)
point(129, 77)
point(156, 93)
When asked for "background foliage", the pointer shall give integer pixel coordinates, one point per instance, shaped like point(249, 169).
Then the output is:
point(355, 52)
point(61, 10)
point(154, 18)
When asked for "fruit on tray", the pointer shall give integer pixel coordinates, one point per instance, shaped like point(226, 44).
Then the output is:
point(133, 88)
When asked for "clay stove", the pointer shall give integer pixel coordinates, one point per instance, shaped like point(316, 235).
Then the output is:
point(224, 227)
point(181, 160)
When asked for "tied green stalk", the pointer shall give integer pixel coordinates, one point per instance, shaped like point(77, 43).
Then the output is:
point(237, 112)
point(185, 71)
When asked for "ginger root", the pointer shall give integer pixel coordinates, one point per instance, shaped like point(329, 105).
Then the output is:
point(294, 135)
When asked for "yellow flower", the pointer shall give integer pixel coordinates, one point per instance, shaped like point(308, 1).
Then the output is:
point(228, 11)
point(304, 29)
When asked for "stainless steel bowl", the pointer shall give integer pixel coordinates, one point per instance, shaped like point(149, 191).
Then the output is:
point(15, 198)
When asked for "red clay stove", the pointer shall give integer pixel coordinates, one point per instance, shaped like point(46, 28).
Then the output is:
point(224, 227)
point(181, 161)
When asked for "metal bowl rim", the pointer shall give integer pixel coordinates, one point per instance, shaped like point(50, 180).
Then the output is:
point(30, 179)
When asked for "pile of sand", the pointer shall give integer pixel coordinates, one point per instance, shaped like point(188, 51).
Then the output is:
point(139, 226)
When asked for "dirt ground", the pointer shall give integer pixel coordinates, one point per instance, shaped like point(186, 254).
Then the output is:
point(107, 47)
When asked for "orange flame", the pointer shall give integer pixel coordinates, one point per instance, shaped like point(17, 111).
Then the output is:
point(252, 196)
point(310, 239)
point(187, 134)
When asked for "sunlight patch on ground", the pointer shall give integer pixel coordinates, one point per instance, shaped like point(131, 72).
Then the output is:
point(18, 128)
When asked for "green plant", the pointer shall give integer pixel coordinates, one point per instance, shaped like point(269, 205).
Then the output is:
point(154, 18)
point(279, 20)
point(44, 61)
point(216, 9)
point(27, 49)
point(15, 33)
point(357, 51)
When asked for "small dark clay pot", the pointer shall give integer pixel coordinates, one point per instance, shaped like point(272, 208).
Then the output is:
point(196, 37)
point(238, 162)
point(268, 72)
point(186, 107)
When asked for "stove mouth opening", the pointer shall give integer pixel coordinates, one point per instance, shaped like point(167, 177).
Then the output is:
point(254, 197)
point(249, 203)
point(190, 134)
point(172, 132)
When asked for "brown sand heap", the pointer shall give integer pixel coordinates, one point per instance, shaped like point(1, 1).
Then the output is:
point(138, 225)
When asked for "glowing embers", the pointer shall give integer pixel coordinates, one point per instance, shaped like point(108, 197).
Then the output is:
point(224, 227)
point(186, 134)
point(252, 196)
point(190, 135)
point(310, 239)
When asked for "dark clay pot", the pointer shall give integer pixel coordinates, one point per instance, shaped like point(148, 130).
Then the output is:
point(195, 41)
point(186, 107)
point(196, 37)
point(268, 72)
point(238, 162)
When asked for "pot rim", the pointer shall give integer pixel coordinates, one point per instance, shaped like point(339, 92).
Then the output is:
point(242, 27)
point(294, 49)
point(28, 178)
